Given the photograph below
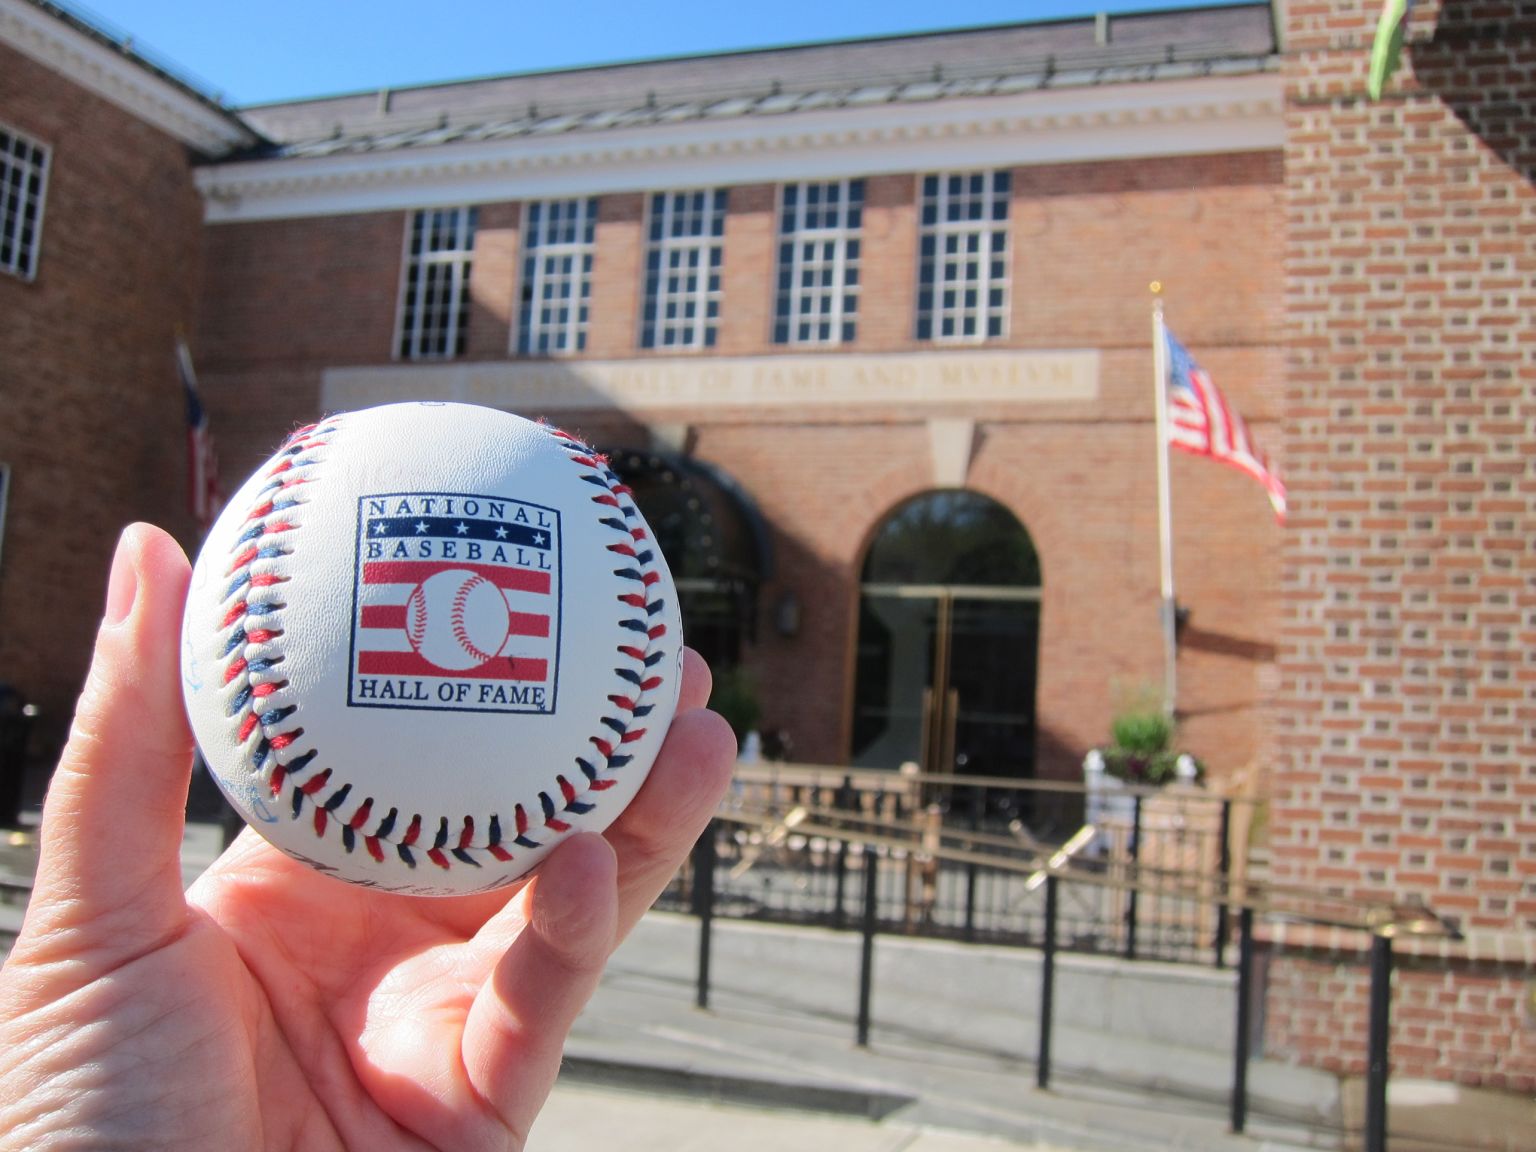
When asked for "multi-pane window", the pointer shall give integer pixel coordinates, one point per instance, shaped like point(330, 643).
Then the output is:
point(23, 184)
point(557, 276)
point(682, 269)
point(820, 227)
point(962, 269)
point(434, 294)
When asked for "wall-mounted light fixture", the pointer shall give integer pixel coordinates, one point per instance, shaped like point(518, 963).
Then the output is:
point(786, 615)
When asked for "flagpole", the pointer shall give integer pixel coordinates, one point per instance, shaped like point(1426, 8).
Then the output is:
point(1164, 505)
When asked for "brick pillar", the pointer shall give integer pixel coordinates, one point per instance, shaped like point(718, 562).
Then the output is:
point(747, 281)
point(493, 281)
point(618, 264)
point(1407, 716)
point(888, 275)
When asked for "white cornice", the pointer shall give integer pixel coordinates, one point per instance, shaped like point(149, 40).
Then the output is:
point(118, 78)
point(1101, 122)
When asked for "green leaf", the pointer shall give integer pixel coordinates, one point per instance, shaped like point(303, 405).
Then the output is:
point(1388, 48)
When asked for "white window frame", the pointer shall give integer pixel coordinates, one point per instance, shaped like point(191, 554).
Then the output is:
point(840, 291)
point(696, 328)
point(411, 330)
point(984, 231)
point(545, 254)
point(18, 201)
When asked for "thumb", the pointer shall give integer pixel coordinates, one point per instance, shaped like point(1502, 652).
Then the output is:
point(109, 875)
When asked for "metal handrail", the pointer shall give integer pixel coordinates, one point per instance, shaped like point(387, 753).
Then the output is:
point(931, 840)
point(1383, 923)
point(1396, 920)
point(791, 775)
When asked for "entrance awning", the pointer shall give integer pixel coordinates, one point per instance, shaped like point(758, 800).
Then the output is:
point(708, 526)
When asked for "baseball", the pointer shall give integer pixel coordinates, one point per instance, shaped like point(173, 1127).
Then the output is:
point(425, 642)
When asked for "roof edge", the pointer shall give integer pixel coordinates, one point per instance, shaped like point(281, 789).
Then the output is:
point(88, 54)
point(1186, 116)
point(754, 50)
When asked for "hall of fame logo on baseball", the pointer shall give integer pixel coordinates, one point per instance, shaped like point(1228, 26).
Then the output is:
point(456, 604)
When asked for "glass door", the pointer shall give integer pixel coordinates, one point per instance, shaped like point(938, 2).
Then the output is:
point(894, 680)
point(946, 679)
point(991, 653)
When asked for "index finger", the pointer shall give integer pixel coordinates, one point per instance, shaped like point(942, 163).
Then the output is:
point(654, 834)
point(692, 771)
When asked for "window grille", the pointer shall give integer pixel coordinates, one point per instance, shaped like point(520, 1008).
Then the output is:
point(962, 277)
point(682, 269)
point(820, 240)
point(23, 186)
point(558, 238)
point(434, 293)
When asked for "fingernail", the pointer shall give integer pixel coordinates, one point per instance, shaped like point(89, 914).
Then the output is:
point(122, 585)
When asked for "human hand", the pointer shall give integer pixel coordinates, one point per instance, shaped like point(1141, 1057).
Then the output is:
point(270, 1006)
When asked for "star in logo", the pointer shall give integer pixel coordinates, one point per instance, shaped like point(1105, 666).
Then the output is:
point(501, 532)
point(380, 527)
point(421, 527)
point(461, 528)
point(538, 539)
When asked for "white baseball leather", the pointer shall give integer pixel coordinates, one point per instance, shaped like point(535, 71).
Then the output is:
point(425, 642)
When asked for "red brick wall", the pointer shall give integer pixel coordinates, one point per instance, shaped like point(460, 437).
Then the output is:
point(1455, 1019)
point(91, 413)
point(1407, 730)
point(493, 281)
point(283, 302)
point(289, 298)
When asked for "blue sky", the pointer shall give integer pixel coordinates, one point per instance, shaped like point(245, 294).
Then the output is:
point(283, 49)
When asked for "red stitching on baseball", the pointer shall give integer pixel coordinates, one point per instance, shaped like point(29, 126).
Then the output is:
point(461, 625)
point(416, 618)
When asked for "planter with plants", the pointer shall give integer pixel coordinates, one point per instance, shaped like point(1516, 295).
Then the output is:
point(1142, 750)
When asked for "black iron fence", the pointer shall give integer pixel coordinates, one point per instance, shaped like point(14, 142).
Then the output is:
point(796, 833)
point(1153, 873)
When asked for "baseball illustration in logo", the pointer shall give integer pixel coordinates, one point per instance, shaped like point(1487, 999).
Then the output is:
point(456, 620)
point(426, 642)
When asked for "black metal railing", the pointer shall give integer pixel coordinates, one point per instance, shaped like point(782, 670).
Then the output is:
point(837, 858)
point(788, 861)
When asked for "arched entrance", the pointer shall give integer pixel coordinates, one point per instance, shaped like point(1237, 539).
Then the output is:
point(948, 647)
point(715, 543)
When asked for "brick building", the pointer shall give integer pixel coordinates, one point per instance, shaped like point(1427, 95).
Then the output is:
point(101, 255)
point(868, 325)
point(1405, 743)
point(724, 269)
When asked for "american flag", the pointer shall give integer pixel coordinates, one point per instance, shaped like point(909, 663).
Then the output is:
point(1202, 423)
point(203, 496)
